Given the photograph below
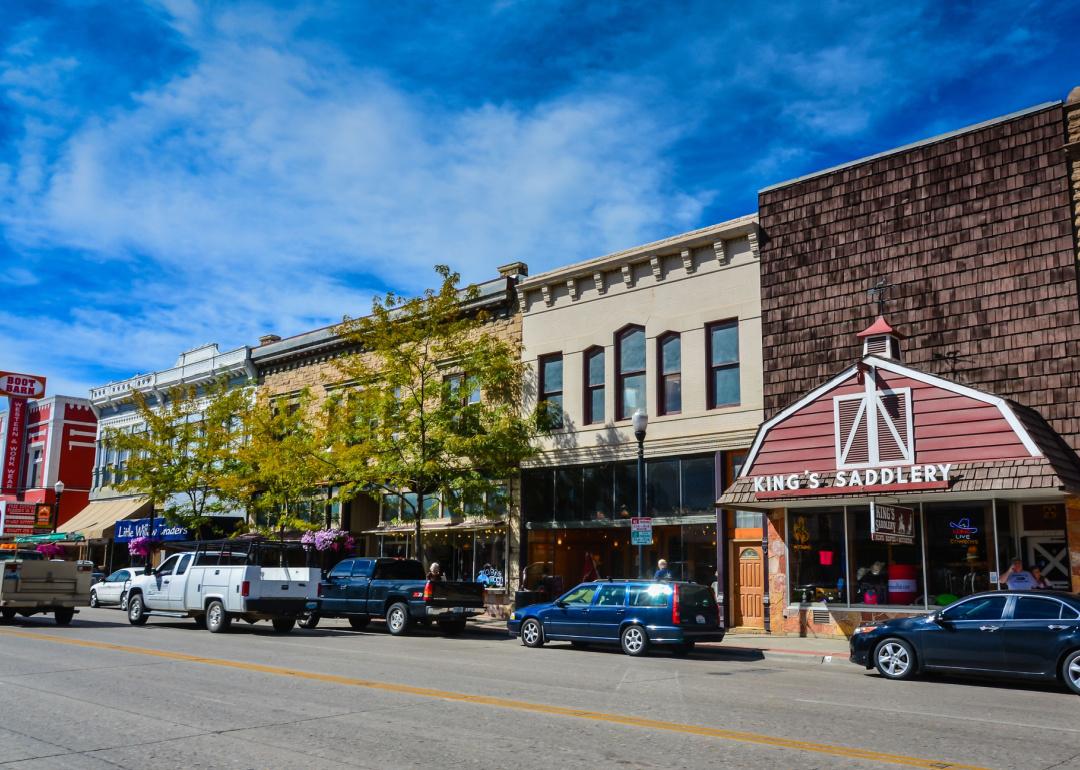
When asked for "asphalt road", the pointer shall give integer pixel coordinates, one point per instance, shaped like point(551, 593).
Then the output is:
point(102, 694)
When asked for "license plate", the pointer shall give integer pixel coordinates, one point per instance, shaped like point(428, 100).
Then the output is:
point(700, 619)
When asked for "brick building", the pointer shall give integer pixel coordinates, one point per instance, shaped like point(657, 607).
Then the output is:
point(972, 235)
point(461, 543)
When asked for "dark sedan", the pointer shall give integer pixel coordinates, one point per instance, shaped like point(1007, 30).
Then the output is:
point(1025, 634)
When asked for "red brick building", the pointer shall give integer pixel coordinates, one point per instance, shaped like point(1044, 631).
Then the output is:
point(57, 445)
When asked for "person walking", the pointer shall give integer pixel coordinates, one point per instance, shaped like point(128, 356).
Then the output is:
point(662, 571)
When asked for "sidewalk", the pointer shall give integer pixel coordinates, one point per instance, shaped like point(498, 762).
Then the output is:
point(767, 645)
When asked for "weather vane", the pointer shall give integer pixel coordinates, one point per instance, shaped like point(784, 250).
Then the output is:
point(877, 293)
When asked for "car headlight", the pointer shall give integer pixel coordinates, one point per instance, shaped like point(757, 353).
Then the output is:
point(513, 616)
point(865, 629)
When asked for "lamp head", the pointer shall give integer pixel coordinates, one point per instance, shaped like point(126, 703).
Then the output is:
point(640, 421)
point(59, 488)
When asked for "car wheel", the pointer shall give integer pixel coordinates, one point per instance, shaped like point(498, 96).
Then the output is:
point(894, 659)
point(94, 600)
point(634, 641)
point(123, 601)
point(359, 623)
point(200, 622)
point(64, 615)
point(397, 619)
point(532, 635)
point(136, 611)
point(1070, 671)
point(283, 625)
point(217, 619)
point(451, 627)
point(309, 621)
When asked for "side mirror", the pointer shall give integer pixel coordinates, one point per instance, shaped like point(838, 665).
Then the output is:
point(560, 603)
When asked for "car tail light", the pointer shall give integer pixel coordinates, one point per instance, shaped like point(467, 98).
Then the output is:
point(11, 567)
point(245, 588)
point(675, 605)
point(320, 590)
point(429, 592)
point(83, 568)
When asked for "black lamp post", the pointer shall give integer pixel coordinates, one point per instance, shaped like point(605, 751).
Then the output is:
point(58, 487)
point(640, 421)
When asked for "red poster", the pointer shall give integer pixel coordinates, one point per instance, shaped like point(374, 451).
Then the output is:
point(9, 478)
point(18, 518)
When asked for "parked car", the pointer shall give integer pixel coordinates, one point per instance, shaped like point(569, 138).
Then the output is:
point(32, 585)
point(395, 589)
point(636, 614)
point(219, 582)
point(1025, 634)
point(114, 588)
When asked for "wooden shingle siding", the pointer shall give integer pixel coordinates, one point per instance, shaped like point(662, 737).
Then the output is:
point(974, 231)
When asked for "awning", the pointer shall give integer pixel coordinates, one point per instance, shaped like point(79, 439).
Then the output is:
point(96, 520)
point(437, 525)
point(54, 537)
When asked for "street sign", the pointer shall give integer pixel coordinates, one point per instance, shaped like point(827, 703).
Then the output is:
point(15, 385)
point(640, 531)
point(892, 524)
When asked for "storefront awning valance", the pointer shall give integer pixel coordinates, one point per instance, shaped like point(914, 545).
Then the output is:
point(96, 520)
point(437, 525)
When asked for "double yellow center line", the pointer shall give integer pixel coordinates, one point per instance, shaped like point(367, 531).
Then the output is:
point(516, 705)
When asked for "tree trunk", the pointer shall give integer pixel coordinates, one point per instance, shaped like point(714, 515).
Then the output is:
point(418, 531)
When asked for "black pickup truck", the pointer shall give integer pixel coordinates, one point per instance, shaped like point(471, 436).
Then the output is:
point(398, 590)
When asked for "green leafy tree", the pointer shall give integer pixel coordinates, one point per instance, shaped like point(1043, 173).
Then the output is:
point(434, 404)
point(182, 451)
point(280, 463)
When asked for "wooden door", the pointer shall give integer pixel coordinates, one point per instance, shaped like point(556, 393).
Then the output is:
point(749, 587)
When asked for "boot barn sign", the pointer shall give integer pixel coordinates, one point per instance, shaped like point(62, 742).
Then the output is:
point(15, 385)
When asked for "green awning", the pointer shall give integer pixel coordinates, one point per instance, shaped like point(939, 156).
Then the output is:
point(52, 537)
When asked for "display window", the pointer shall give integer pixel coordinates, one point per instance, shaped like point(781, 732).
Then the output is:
point(817, 555)
point(959, 554)
point(883, 573)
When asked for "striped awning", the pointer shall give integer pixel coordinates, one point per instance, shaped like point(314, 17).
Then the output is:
point(96, 520)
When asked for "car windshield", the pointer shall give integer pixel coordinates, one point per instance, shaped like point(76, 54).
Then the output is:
point(24, 555)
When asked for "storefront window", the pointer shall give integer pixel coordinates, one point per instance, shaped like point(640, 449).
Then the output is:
point(662, 487)
point(625, 490)
point(817, 555)
point(597, 489)
point(958, 556)
point(699, 491)
point(568, 499)
point(883, 573)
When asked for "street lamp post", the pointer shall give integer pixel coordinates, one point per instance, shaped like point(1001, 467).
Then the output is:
point(58, 487)
point(640, 421)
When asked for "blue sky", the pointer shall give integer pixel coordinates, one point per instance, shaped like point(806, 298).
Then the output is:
point(178, 172)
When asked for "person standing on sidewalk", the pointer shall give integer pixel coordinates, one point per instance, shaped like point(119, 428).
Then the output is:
point(662, 571)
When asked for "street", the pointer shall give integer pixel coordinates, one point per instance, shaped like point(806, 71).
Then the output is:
point(103, 694)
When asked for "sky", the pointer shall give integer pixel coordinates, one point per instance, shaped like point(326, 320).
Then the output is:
point(176, 172)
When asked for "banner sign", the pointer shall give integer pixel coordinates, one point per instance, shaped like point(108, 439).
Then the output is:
point(16, 426)
point(129, 529)
point(892, 524)
point(15, 385)
point(640, 531)
point(17, 518)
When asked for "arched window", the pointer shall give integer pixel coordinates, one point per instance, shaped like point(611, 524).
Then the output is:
point(630, 367)
point(594, 385)
point(669, 357)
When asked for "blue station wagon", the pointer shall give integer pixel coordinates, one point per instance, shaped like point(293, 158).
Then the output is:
point(635, 614)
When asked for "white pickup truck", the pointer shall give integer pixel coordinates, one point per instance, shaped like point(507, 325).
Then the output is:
point(31, 584)
point(218, 582)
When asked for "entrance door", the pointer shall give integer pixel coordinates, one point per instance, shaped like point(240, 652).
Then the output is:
point(749, 587)
point(1051, 554)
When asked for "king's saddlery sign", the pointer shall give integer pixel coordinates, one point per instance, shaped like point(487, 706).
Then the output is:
point(911, 478)
point(892, 524)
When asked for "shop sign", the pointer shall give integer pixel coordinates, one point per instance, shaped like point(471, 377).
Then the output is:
point(16, 518)
point(16, 425)
point(640, 531)
point(892, 524)
point(963, 532)
point(129, 529)
point(881, 479)
point(44, 516)
point(15, 385)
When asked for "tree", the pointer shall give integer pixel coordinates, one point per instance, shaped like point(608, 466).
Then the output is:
point(182, 450)
point(280, 461)
point(435, 403)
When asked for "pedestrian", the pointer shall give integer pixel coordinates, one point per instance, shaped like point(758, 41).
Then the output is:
point(1040, 581)
point(1016, 578)
point(435, 574)
point(662, 571)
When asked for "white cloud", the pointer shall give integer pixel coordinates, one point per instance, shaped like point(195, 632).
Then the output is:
point(252, 189)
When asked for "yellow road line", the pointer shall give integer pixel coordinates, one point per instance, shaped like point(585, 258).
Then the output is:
point(505, 703)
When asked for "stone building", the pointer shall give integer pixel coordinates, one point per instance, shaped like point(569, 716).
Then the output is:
point(673, 329)
point(461, 543)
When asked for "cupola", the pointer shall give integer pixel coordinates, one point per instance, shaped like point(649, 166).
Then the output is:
point(881, 340)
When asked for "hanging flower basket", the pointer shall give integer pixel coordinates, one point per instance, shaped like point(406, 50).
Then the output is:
point(335, 540)
point(52, 551)
point(142, 546)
